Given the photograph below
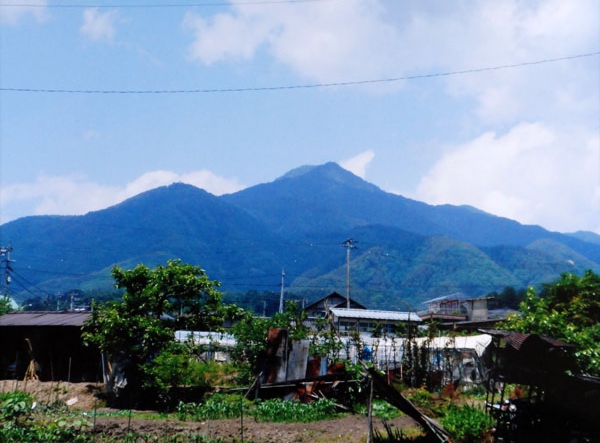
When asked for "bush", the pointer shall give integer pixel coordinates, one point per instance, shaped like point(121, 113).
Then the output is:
point(279, 411)
point(467, 424)
point(217, 407)
point(381, 409)
point(15, 405)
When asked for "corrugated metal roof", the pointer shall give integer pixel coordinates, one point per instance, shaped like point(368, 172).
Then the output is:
point(46, 318)
point(370, 314)
point(516, 340)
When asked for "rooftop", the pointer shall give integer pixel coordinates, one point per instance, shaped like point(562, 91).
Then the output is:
point(369, 314)
point(45, 318)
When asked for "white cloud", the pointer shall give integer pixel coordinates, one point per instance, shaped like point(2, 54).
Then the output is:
point(326, 41)
point(12, 14)
point(99, 26)
point(358, 164)
point(75, 195)
point(373, 39)
point(533, 174)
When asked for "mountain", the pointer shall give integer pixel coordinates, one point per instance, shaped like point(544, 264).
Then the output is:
point(407, 251)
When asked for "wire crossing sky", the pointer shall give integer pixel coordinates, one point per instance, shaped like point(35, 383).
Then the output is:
point(490, 104)
point(275, 88)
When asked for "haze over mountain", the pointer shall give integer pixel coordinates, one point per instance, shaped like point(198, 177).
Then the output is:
point(407, 251)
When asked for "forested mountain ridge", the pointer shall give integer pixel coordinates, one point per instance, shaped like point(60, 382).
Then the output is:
point(407, 251)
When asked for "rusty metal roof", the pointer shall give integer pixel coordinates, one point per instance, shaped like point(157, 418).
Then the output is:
point(44, 318)
point(516, 339)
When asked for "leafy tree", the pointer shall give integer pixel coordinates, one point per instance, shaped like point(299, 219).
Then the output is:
point(155, 303)
point(5, 306)
point(568, 310)
point(508, 298)
point(251, 335)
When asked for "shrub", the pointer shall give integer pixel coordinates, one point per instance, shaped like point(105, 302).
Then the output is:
point(15, 405)
point(467, 424)
point(279, 411)
point(217, 407)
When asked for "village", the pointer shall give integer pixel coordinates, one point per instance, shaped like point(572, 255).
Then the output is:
point(452, 345)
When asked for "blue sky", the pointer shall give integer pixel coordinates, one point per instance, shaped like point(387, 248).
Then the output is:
point(521, 141)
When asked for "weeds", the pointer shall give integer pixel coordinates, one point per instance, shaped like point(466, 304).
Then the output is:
point(278, 411)
point(467, 424)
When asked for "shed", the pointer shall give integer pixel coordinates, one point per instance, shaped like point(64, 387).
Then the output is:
point(56, 346)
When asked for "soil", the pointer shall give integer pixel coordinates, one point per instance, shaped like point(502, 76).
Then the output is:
point(81, 398)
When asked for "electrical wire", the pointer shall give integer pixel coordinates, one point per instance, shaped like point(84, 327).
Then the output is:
point(295, 87)
point(160, 5)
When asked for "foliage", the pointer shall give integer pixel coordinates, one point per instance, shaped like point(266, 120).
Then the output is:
point(466, 423)
point(5, 306)
point(220, 406)
point(15, 405)
point(251, 342)
point(251, 335)
point(508, 298)
point(278, 411)
point(567, 310)
point(16, 412)
point(155, 303)
point(381, 409)
point(217, 407)
point(325, 341)
point(175, 366)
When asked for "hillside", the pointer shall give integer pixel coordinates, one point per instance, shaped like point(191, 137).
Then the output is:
point(407, 251)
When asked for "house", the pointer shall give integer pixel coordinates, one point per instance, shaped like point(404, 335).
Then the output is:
point(321, 307)
point(459, 312)
point(51, 340)
point(367, 321)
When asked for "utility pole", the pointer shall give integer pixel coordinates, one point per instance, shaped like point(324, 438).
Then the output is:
point(5, 255)
point(348, 244)
point(281, 293)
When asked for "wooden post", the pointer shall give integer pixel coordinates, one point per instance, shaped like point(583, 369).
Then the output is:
point(242, 419)
point(370, 413)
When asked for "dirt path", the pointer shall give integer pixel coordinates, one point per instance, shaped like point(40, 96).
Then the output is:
point(349, 429)
point(80, 399)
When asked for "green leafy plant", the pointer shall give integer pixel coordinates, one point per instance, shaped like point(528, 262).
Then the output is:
point(381, 409)
point(467, 424)
point(217, 407)
point(279, 411)
point(15, 406)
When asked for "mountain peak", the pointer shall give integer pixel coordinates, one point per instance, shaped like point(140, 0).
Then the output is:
point(330, 171)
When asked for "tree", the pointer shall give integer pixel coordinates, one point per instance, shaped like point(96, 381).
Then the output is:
point(508, 298)
point(5, 305)
point(568, 310)
point(251, 335)
point(155, 303)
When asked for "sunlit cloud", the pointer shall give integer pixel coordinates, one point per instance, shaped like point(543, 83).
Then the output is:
point(75, 195)
point(323, 41)
point(358, 164)
point(532, 174)
point(372, 39)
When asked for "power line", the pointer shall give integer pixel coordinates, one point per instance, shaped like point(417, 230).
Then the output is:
point(292, 87)
point(160, 5)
